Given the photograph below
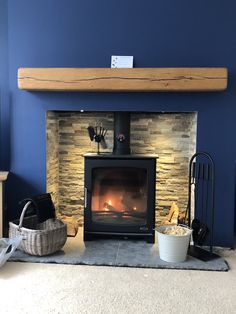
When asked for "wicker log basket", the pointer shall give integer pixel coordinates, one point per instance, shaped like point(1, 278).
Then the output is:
point(38, 238)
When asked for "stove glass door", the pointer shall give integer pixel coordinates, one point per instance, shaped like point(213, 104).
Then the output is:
point(119, 196)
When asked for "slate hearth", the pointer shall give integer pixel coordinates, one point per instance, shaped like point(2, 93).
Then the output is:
point(117, 253)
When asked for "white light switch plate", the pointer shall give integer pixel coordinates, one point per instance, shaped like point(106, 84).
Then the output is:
point(122, 61)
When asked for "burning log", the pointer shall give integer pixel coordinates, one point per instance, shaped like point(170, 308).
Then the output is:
point(120, 214)
point(109, 207)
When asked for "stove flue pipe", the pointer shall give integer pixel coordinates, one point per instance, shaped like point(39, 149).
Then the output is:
point(121, 133)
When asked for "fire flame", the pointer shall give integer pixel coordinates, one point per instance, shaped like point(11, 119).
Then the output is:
point(109, 203)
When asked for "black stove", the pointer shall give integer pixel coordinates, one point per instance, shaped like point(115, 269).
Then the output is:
point(120, 190)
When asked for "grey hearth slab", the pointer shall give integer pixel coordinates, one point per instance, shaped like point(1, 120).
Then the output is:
point(117, 253)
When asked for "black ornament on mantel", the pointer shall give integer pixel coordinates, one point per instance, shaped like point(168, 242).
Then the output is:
point(98, 134)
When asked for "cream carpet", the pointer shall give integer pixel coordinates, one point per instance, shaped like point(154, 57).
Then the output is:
point(54, 288)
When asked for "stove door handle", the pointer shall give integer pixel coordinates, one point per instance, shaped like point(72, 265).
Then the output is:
point(85, 197)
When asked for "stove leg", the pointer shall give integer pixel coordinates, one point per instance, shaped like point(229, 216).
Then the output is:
point(150, 239)
point(88, 237)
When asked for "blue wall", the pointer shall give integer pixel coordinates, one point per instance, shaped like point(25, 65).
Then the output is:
point(159, 33)
point(4, 94)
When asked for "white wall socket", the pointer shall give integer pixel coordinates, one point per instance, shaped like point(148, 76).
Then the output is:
point(122, 61)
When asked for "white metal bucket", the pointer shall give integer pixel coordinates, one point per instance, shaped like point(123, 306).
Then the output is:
point(173, 248)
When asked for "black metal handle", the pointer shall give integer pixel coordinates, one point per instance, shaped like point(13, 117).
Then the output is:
point(85, 197)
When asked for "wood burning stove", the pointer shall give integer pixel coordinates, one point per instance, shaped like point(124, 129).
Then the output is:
point(119, 190)
point(119, 196)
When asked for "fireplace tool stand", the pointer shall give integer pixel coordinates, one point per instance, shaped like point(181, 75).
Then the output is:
point(202, 187)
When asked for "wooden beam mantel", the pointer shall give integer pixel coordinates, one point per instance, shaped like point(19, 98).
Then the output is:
point(123, 80)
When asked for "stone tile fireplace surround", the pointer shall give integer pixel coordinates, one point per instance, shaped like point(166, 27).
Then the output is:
point(172, 136)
